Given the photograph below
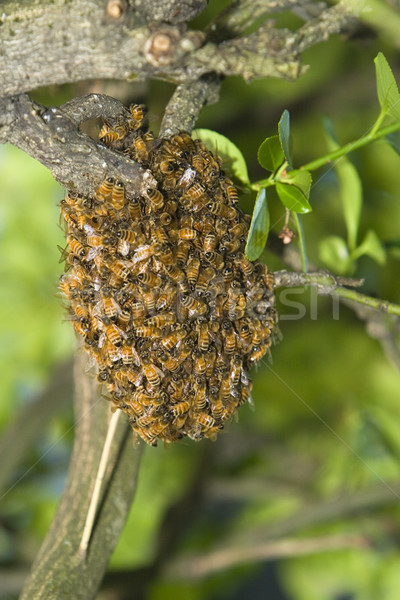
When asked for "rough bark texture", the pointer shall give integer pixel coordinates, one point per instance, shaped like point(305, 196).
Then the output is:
point(62, 41)
point(58, 572)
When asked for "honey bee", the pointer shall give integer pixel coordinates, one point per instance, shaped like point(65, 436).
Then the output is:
point(169, 362)
point(113, 333)
point(118, 195)
point(182, 252)
point(204, 279)
point(156, 199)
point(167, 166)
point(161, 320)
point(138, 313)
point(65, 287)
point(221, 210)
point(109, 305)
point(179, 409)
point(203, 336)
point(134, 209)
point(193, 270)
point(78, 249)
point(217, 408)
point(221, 227)
point(215, 259)
point(238, 230)
point(120, 269)
point(236, 369)
point(195, 307)
point(200, 363)
point(257, 352)
point(244, 264)
point(166, 299)
point(149, 299)
point(130, 357)
point(153, 375)
point(143, 253)
point(109, 135)
point(225, 389)
point(139, 149)
point(165, 219)
point(149, 278)
point(200, 392)
point(124, 318)
point(229, 337)
point(176, 274)
point(176, 384)
point(172, 339)
point(82, 314)
point(232, 194)
point(137, 116)
point(210, 242)
point(205, 420)
point(147, 331)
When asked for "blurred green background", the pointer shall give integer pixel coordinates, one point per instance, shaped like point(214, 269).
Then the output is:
point(318, 458)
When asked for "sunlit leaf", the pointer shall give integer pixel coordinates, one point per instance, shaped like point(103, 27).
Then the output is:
point(350, 188)
point(270, 154)
point(284, 136)
point(301, 179)
point(371, 246)
point(232, 158)
point(293, 198)
point(334, 254)
point(388, 93)
point(259, 227)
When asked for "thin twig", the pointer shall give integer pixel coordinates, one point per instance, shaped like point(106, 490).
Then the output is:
point(94, 501)
point(205, 565)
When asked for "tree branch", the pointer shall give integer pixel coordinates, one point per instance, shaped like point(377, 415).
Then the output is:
point(186, 103)
point(204, 565)
point(329, 284)
point(57, 571)
point(75, 40)
point(51, 136)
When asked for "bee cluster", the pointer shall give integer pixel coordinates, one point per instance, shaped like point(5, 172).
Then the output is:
point(160, 290)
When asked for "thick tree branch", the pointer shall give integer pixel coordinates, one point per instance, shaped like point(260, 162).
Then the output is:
point(58, 572)
point(51, 136)
point(72, 40)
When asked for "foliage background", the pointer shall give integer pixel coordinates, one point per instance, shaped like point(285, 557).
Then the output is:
point(326, 426)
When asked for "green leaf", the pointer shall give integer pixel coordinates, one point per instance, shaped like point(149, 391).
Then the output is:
point(284, 136)
point(270, 154)
point(299, 178)
point(388, 93)
point(371, 246)
point(394, 140)
point(334, 253)
point(259, 227)
point(350, 188)
point(293, 198)
point(221, 146)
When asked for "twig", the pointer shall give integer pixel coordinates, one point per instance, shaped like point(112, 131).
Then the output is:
point(94, 501)
point(329, 284)
point(205, 565)
point(186, 103)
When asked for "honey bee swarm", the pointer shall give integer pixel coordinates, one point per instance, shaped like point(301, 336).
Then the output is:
point(160, 290)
